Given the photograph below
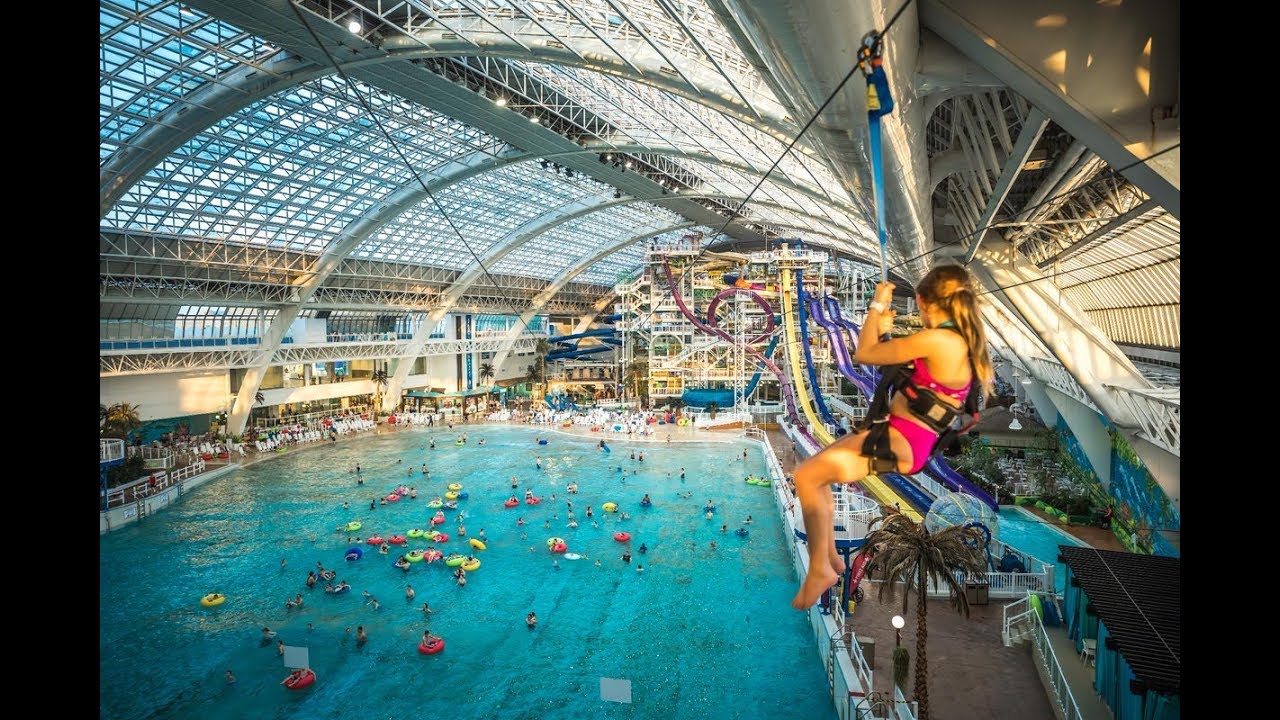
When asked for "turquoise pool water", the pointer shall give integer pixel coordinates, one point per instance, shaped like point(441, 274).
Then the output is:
point(1029, 534)
point(700, 633)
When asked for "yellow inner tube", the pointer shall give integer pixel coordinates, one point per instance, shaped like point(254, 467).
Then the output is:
point(354, 525)
point(554, 540)
point(414, 533)
point(213, 599)
point(477, 544)
point(610, 507)
point(473, 565)
point(455, 486)
point(451, 495)
point(414, 556)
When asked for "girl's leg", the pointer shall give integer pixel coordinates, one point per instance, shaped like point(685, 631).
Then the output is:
point(838, 463)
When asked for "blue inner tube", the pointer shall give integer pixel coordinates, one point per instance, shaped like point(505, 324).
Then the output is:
point(645, 503)
point(542, 442)
point(356, 552)
point(464, 495)
point(708, 508)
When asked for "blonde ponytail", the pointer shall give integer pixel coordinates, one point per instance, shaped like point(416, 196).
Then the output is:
point(951, 288)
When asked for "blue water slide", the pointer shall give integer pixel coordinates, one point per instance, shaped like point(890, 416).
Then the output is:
point(808, 354)
point(755, 379)
point(598, 332)
point(908, 490)
point(578, 352)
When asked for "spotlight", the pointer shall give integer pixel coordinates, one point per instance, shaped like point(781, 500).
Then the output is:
point(628, 163)
point(534, 120)
point(501, 101)
point(354, 26)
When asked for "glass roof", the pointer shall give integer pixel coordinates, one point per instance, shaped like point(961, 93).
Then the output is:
point(153, 53)
point(295, 169)
point(485, 209)
point(553, 252)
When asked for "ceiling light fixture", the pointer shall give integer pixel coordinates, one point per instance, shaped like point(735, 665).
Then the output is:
point(534, 120)
point(501, 101)
point(354, 26)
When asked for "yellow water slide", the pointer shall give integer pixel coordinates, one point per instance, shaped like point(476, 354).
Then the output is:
point(791, 339)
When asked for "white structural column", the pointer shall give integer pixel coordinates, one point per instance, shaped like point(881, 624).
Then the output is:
point(577, 269)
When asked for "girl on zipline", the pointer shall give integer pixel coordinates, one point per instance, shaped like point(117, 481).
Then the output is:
point(947, 354)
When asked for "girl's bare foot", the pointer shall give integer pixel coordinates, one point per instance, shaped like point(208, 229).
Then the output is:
point(820, 578)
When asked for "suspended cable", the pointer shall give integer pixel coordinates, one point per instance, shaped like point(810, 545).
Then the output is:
point(405, 159)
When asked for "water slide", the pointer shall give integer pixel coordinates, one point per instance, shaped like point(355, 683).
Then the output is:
point(801, 301)
point(755, 379)
point(918, 498)
point(873, 485)
point(851, 347)
point(787, 391)
point(569, 343)
point(936, 468)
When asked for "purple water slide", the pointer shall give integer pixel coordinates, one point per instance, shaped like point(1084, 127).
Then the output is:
point(768, 312)
point(787, 391)
point(833, 311)
point(844, 363)
point(936, 468)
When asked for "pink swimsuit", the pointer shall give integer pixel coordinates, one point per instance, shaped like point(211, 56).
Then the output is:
point(920, 438)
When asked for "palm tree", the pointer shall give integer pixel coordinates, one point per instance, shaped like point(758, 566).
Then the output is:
point(906, 552)
point(541, 348)
point(379, 379)
point(119, 420)
point(637, 375)
point(486, 372)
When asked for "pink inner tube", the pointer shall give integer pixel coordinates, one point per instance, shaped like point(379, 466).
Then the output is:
point(375, 540)
point(622, 536)
point(397, 540)
point(532, 500)
point(442, 537)
point(431, 648)
point(511, 503)
point(437, 521)
point(393, 497)
point(559, 548)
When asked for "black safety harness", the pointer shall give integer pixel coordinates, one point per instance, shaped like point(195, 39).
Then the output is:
point(924, 404)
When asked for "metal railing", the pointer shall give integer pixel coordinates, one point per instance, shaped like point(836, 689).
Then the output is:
point(110, 449)
point(140, 488)
point(1021, 612)
point(929, 484)
point(902, 709)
